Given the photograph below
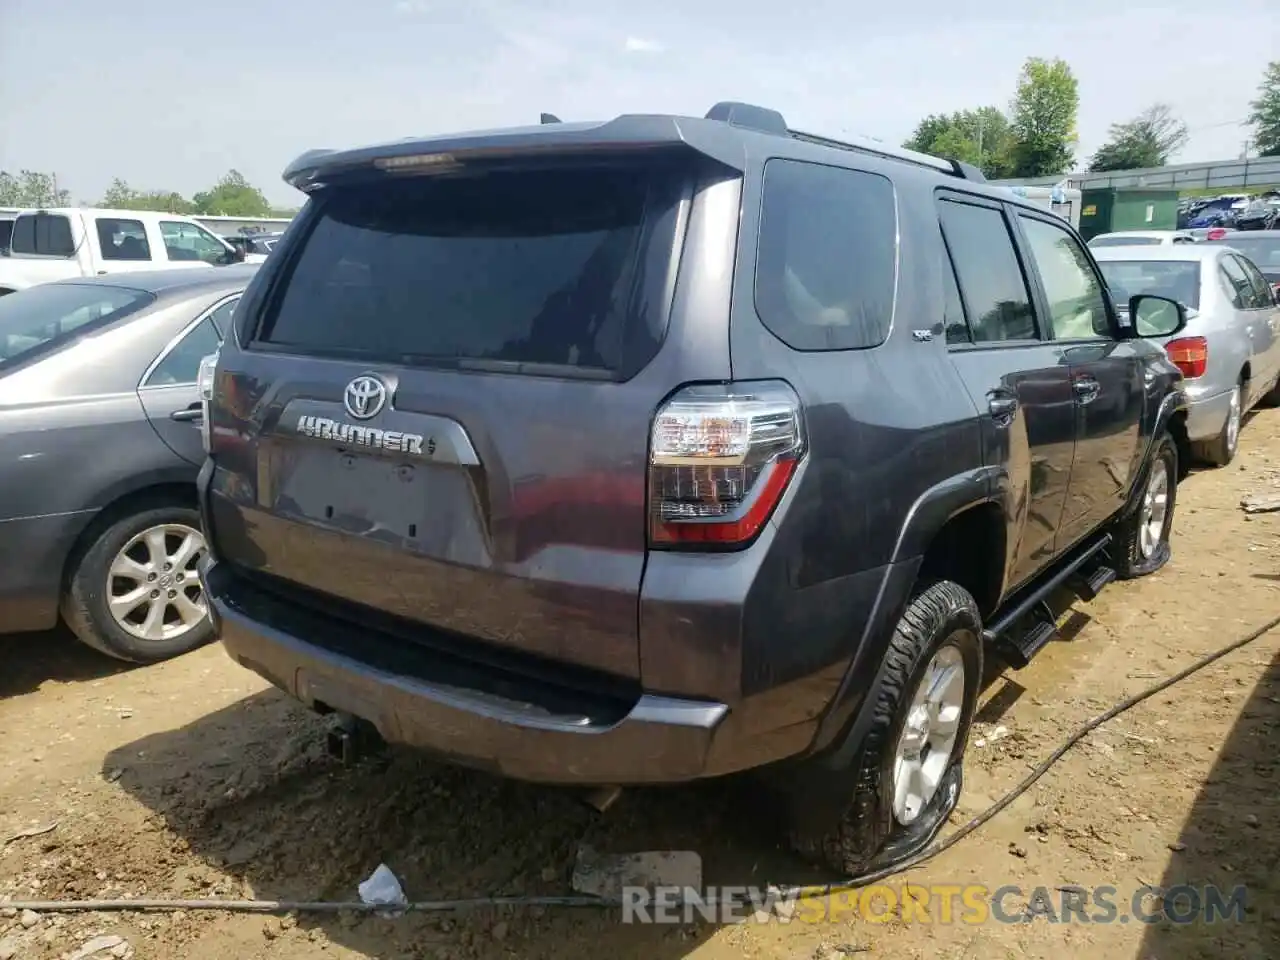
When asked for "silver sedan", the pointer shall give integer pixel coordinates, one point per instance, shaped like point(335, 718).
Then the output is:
point(1229, 351)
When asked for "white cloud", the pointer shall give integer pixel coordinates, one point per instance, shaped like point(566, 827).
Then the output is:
point(409, 7)
point(640, 45)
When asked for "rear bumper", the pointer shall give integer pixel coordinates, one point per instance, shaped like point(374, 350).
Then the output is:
point(651, 739)
point(33, 551)
point(1207, 413)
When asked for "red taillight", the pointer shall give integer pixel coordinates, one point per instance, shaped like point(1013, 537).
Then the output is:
point(1190, 355)
point(720, 459)
point(1215, 233)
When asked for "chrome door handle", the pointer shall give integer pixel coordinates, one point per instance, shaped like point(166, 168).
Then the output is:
point(1086, 389)
point(1001, 407)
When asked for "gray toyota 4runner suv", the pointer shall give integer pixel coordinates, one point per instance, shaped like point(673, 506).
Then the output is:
point(664, 448)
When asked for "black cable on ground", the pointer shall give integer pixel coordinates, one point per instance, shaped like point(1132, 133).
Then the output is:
point(436, 906)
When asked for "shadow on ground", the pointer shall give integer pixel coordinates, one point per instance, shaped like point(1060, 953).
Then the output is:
point(250, 791)
point(1231, 840)
point(31, 659)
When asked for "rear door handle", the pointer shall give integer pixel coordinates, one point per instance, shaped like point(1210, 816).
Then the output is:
point(193, 412)
point(1002, 406)
point(1086, 389)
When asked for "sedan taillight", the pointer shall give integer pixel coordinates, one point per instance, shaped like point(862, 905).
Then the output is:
point(1190, 355)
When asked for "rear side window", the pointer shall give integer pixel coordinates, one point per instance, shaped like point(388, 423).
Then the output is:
point(827, 259)
point(994, 289)
point(122, 239)
point(517, 268)
point(44, 235)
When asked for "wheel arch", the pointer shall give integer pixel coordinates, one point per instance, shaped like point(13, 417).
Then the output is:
point(964, 501)
point(161, 489)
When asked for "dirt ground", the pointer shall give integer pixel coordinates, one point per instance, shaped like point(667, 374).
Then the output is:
point(194, 779)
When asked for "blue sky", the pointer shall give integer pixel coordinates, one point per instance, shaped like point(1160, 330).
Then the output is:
point(171, 95)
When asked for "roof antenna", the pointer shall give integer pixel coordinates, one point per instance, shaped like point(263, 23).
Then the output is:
point(550, 118)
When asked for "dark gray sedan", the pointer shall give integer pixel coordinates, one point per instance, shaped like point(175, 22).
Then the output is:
point(100, 443)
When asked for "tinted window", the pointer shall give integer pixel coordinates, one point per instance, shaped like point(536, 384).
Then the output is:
point(1176, 279)
point(122, 239)
point(1247, 296)
point(516, 267)
point(6, 233)
point(953, 318)
point(181, 364)
point(43, 234)
point(1077, 302)
point(1262, 295)
point(53, 312)
point(991, 281)
point(825, 269)
point(221, 317)
point(1229, 288)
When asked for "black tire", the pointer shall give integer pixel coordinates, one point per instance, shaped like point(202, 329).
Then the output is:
point(84, 602)
point(1130, 558)
point(1221, 450)
point(866, 831)
point(1272, 397)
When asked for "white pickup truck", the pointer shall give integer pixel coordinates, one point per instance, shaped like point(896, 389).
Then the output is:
point(61, 243)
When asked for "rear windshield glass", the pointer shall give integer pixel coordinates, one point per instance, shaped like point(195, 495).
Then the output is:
point(1177, 279)
point(50, 313)
point(514, 267)
point(1263, 251)
point(1124, 242)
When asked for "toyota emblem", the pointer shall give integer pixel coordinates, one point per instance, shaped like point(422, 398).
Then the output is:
point(365, 397)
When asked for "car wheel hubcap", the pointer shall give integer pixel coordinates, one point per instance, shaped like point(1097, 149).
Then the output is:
point(1155, 507)
point(153, 591)
point(929, 735)
point(1233, 421)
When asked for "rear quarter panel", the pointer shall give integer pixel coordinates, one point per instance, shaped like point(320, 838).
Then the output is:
point(885, 426)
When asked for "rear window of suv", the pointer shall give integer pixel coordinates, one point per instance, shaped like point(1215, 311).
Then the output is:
point(826, 268)
point(512, 268)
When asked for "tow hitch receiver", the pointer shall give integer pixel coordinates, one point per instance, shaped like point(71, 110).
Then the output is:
point(352, 739)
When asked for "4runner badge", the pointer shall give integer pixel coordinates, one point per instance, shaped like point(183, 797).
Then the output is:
point(371, 437)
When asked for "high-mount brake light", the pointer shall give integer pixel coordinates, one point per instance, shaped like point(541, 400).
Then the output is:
point(1190, 355)
point(720, 459)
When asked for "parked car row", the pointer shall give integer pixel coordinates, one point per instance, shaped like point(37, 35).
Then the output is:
point(57, 244)
point(594, 454)
point(100, 444)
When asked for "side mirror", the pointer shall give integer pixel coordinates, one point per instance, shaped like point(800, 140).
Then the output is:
point(1153, 316)
point(234, 255)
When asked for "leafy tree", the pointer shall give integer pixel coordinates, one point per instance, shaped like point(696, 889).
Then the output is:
point(1265, 117)
point(31, 188)
point(121, 196)
point(233, 196)
point(981, 137)
point(1145, 141)
point(1044, 118)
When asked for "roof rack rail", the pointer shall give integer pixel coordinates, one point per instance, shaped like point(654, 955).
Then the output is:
point(771, 121)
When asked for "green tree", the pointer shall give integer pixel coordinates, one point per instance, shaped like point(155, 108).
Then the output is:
point(31, 188)
point(121, 196)
point(233, 196)
point(1265, 117)
point(1044, 118)
point(981, 137)
point(1147, 140)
